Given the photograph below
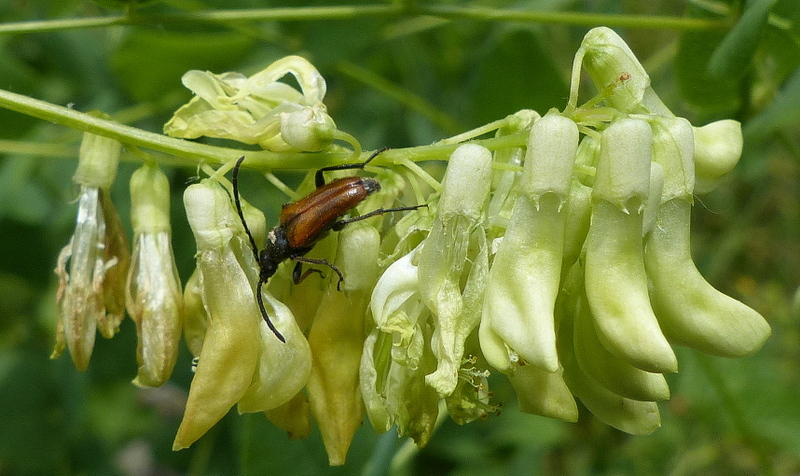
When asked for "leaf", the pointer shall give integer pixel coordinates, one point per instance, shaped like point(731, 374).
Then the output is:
point(717, 97)
point(734, 54)
point(516, 72)
point(150, 63)
point(781, 112)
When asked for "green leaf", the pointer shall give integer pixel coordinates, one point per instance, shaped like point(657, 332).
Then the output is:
point(150, 63)
point(516, 72)
point(715, 97)
point(780, 113)
point(733, 55)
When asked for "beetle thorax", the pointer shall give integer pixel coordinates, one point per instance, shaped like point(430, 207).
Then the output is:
point(371, 185)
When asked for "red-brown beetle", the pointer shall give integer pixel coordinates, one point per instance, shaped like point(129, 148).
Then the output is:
point(304, 222)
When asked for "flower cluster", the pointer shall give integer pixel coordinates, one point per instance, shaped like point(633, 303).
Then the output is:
point(563, 263)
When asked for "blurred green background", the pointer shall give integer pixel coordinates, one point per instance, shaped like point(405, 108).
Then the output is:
point(399, 80)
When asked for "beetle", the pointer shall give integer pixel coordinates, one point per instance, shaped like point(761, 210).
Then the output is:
point(306, 221)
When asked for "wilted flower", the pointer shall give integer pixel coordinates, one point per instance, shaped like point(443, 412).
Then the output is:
point(154, 298)
point(425, 306)
point(93, 266)
point(452, 290)
point(259, 109)
point(396, 358)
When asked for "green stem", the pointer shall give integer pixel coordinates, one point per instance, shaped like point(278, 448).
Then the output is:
point(346, 12)
point(40, 149)
point(212, 16)
point(574, 18)
point(191, 153)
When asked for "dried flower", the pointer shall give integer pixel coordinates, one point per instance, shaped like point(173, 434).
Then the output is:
point(154, 297)
point(91, 268)
point(259, 109)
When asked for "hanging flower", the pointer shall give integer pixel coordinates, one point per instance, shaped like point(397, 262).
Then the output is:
point(93, 265)
point(154, 297)
point(238, 361)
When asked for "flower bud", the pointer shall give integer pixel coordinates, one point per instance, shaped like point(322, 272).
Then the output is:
point(717, 149)
point(610, 61)
point(195, 317)
point(543, 393)
point(336, 340)
point(610, 371)
point(616, 287)
point(293, 417)
point(283, 368)
point(631, 416)
point(616, 282)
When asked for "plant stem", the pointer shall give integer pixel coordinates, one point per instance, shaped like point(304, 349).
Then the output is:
point(574, 18)
point(346, 12)
point(192, 153)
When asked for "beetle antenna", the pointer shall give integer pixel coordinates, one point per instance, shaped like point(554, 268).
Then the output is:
point(235, 180)
point(264, 312)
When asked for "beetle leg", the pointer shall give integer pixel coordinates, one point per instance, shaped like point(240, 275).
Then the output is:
point(264, 312)
point(319, 180)
point(298, 276)
point(321, 262)
point(339, 224)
